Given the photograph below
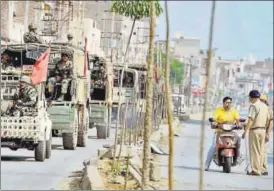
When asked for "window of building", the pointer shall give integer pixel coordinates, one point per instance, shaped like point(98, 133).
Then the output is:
point(238, 69)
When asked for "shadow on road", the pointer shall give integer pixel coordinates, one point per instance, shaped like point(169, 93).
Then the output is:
point(198, 169)
point(57, 147)
point(92, 137)
point(16, 158)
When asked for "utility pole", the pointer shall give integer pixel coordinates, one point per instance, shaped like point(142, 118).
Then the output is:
point(190, 83)
point(26, 19)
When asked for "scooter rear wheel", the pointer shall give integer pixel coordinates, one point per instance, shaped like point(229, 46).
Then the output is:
point(227, 164)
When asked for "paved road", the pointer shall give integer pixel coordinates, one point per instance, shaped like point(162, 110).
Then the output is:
point(186, 165)
point(20, 171)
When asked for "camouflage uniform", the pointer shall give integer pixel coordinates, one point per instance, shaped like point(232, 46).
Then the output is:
point(99, 78)
point(127, 82)
point(32, 36)
point(64, 70)
point(7, 65)
point(25, 100)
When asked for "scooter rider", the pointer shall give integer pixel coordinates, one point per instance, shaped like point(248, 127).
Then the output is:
point(223, 115)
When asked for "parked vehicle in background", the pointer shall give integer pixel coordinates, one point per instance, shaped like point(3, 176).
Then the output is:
point(180, 108)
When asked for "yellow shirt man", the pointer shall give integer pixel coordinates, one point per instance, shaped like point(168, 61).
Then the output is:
point(222, 115)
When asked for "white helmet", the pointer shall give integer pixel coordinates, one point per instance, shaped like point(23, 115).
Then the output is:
point(25, 79)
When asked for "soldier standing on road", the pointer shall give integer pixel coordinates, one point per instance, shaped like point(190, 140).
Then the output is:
point(32, 36)
point(63, 73)
point(258, 120)
point(26, 99)
point(6, 63)
point(263, 99)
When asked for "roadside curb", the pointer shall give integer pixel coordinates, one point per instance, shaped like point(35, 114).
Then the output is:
point(91, 179)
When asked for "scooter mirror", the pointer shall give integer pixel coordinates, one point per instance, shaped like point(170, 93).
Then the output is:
point(242, 120)
point(211, 120)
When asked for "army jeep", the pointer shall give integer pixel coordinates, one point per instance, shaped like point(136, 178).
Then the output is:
point(32, 130)
point(70, 116)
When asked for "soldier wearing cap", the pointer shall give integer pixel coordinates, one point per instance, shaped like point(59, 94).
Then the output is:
point(62, 73)
point(6, 63)
point(26, 98)
point(264, 99)
point(98, 77)
point(258, 120)
point(31, 36)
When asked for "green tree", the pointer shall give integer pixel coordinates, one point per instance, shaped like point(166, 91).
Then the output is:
point(137, 10)
point(177, 68)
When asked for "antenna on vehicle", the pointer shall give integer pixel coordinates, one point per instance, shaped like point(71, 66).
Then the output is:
point(21, 59)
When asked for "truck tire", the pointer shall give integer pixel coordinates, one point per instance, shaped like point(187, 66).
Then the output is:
point(227, 164)
point(48, 147)
point(70, 139)
point(102, 132)
point(83, 131)
point(40, 151)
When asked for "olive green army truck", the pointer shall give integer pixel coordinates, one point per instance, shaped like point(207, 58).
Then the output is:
point(27, 128)
point(100, 103)
point(70, 117)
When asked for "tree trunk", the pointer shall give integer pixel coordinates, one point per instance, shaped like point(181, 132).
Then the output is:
point(118, 119)
point(149, 98)
point(128, 43)
point(201, 178)
point(168, 105)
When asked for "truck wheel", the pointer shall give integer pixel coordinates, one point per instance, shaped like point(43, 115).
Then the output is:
point(83, 132)
point(40, 151)
point(48, 147)
point(70, 139)
point(227, 164)
point(102, 132)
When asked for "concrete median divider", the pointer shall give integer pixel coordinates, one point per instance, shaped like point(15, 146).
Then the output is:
point(91, 179)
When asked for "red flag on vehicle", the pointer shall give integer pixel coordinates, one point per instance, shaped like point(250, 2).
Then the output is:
point(86, 61)
point(40, 68)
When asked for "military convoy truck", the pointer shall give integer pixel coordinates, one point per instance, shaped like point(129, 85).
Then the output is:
point(70, 116)
point(100, 100)
point(32, 130)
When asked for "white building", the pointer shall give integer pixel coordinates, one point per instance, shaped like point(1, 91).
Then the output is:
point(93, 35)
point(186, 46)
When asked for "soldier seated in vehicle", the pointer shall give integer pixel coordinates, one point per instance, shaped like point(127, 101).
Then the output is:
point(32, 36)
point(98, 82)
point(6, 63)
point(24, 103)
point(128, 81)
point(62, 73)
